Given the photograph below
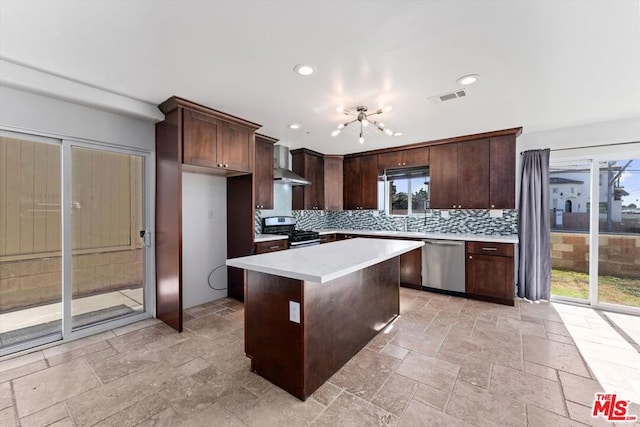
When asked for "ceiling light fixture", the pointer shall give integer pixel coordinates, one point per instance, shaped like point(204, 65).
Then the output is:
point(294, 126)
point(304, 69)
point(397, 134)
point(362, 117)
point(468, 79)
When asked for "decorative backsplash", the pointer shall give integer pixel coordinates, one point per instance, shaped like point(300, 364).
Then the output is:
point(460, 221)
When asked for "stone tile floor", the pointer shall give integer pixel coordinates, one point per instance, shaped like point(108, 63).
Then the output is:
point(446, 361)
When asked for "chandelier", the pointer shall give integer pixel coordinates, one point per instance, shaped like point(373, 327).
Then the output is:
point(362, 117)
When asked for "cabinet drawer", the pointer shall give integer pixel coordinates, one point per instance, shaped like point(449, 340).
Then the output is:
point(486, 248)
point(327, 238)
point(271, 246)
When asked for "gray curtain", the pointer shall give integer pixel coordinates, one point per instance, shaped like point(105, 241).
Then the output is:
point(534, 228)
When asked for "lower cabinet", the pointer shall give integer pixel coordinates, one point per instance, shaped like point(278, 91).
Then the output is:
point(411, 269)
point(490, 272)
point(271, 246)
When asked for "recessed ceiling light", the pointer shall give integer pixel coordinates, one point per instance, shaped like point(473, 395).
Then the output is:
point(397, 134)
point(304, 69)
point(294, 126)
point(468, 79)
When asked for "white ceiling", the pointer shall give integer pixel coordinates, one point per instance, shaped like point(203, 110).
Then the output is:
point(542, 64)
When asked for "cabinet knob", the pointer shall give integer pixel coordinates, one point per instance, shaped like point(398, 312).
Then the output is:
point(459, 206)
point(454, 206)
point(470, 257)
point(226, 166)
point(493, 206)
point(219, 165)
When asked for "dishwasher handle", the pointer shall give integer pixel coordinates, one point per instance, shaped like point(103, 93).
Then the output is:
point(443, 242)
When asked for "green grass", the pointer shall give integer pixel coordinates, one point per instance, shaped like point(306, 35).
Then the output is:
point(611, 289)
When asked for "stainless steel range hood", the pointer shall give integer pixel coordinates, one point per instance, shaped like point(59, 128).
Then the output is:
point(282, 172)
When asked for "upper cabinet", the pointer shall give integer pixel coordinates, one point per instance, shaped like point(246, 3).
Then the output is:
point(310, 165)
point(474, 174)
point(404, 158)
point(502, 175)
point(213, 139)
point(263, 172)
point(361, 182)
point(333, 177)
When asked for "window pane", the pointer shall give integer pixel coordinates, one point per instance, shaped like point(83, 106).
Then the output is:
point(30, 241)
point(619, 237)
point(399, 195)
point(107, 264)
point(570, 229)
point(420, 195)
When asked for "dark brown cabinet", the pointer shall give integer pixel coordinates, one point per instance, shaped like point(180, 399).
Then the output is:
point(271, 246)
point(211, 142)
point(327, 238)
point(490, 272)
point(404, 158)
point(333, 188)
point(263, 172)
point(411, 269)
point(310, 165)
point(194, 137)
point(502, 174)
point(361, 182)
point(460, 175)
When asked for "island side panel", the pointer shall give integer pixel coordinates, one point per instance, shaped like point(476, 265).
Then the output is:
point(272, 341)
point(343, 315)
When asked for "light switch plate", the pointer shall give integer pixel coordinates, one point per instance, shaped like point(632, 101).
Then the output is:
point(294, 311)
point(495, 213)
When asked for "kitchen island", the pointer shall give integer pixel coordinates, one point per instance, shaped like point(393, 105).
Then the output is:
point(309, 310)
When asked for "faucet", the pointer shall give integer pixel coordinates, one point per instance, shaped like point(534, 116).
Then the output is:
point(405, 223)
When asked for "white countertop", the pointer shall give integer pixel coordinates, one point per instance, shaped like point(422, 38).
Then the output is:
point(322, 263)
point(469, 237)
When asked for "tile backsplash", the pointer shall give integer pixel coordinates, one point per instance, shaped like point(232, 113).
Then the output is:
point(475, 221)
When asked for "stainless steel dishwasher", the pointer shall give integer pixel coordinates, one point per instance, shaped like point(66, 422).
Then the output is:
point(443, 268)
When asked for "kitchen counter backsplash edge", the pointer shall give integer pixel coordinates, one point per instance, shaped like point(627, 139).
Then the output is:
point(460, 221)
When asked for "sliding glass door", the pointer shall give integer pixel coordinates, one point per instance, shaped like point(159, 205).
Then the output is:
point(107, 273)
point(30, 240)
point(595, 219)
point(619, 233)
point(72, 252)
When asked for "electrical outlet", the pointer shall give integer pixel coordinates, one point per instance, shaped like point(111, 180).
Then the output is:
point(294, 311)
point(495, 213)
point(444, 214)
point(375, 213)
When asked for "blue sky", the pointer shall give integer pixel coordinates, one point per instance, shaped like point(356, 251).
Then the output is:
point(630, 180)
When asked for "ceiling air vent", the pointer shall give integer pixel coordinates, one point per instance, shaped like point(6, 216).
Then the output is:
point(449, 96)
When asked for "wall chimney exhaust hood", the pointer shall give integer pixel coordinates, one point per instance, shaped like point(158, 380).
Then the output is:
point(282, 172)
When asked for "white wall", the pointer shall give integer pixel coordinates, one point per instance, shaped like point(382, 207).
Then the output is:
point(31, 112)
point(204, 237)
point(281, 201)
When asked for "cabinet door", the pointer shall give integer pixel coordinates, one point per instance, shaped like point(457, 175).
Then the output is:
point(490, 276)
point(390, 160)
point(235, 148)
point(263, 174)
point(502, 176)
point(369, 181)
point(443, 170)
point(352, 190)
point(333, 183)
point(411, 269)
point(473, 174)
point(311, 167)
point(315, 195)
point(200, 139)
point(415, 157)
